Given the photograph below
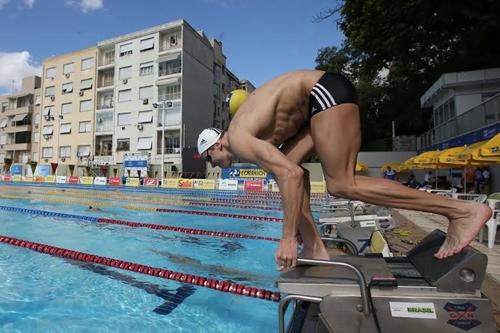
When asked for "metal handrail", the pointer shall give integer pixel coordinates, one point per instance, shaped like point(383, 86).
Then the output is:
point(283, 305)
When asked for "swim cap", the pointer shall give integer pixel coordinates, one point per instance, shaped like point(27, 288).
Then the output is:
point(207, 138)
point(234, 100)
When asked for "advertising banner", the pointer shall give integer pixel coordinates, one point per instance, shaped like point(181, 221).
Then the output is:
point(132, 181)
point(151, 182)
point(318, 187)
point(27, 178)
point(204, 184)
point(16, 178)
point(40, 179)
point(100, 181)
point(87, 180)
point(185, 183)
point(169, 183)
point(115, 181)
point(253, 185)
point(7, 178)
point(253, 173)
point(61, 179)
point(50, 179)
point(228, 184)
point(16, 169)
point(73, 180)
point(42, 170)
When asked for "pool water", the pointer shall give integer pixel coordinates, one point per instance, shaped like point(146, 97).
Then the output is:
point(43, 293)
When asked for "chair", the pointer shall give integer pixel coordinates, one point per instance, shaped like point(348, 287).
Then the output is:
point(492, 223)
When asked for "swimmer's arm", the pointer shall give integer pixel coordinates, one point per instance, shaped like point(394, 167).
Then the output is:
point(289, 175)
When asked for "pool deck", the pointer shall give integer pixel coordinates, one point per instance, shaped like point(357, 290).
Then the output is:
point(426, 222)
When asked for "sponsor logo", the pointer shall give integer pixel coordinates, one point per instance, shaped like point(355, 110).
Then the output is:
point(462, 315)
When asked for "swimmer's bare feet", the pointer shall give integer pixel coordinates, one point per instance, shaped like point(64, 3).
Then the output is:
point(462, 231)
point(317, 252)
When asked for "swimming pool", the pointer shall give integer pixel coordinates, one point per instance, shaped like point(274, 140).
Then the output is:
point(42, 293)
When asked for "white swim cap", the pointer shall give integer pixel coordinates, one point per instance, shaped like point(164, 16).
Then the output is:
point(207, 138)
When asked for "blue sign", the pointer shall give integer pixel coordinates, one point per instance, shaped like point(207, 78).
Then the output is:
point(135, 163)
point(16, 169)
point(462, 315)
point(42, 170)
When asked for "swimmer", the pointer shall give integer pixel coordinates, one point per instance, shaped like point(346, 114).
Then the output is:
point(94, 209)
point(283, 122)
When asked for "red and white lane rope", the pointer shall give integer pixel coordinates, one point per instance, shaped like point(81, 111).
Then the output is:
point(221, 285)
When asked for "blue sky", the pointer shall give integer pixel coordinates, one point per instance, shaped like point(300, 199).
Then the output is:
point(261, 38)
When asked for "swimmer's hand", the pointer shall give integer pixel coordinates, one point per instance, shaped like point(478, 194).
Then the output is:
point(286, 255)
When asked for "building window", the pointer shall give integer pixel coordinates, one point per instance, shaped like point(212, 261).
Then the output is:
point(146, 92)
point(35, 157)
point(124, 95)
point(169, 92)
point(144, 143)
point(65, 128)
point(38, 99)
point(145, 117)
point(67, 88)
point(123, 144)
point(36, 137)
point(172, 142)
point(87, 63)
point(146, 68)
point(69, 68)
point(170, 64)
point(83, 151)
point(86, 105)
point(48, 111)
point(85, 84)
point(50, 91)
point(125, 72)
point(125, 49)
point(3, 139)
point(123, 119)
point(85, 127)
point(66, 108)
point(48, 130)
point(46, 152)
point(65, 151)
point(50, 73)
point(147, 44)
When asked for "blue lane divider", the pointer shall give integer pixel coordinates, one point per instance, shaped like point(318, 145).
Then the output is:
point(46, 213)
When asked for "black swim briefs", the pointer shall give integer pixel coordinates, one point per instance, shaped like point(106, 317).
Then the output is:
point(331, 90)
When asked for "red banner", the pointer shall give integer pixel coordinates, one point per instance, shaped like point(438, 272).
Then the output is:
point(253, 185)
point(151, 182)
point(73, 180)
point(7, 178)
point(115, 181)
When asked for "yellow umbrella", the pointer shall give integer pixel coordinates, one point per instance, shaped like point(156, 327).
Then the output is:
point(394, 166)
point(492, 147)
point(361, 167)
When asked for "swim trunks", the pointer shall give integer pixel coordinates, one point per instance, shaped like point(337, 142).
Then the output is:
point(331, 90)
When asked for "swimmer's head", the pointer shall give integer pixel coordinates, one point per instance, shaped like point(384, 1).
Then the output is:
point(234, 100)
point(211, 149)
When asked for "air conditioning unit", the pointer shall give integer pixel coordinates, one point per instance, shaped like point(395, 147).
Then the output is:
point(46, 160)
point(80, 93)
point(36, 125)
point(145, 101)
point(47, 136)
point(140, 127)
point(125, 81)
point(63, 159)
point(67, 75)
point(52, 98)
point(47, 117)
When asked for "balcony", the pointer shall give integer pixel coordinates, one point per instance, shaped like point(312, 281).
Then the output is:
point(17, 129)
point(170, 41)
point(16, 111)
point(17, 146)
point(105, 83)
point(105, 105)
point(169, 150)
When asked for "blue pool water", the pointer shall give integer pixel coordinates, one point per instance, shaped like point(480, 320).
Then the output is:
point(43, 293)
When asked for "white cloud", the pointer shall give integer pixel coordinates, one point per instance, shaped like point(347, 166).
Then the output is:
point(3, 3)
point(29, 3)
point(86, 5)
point(15, 66)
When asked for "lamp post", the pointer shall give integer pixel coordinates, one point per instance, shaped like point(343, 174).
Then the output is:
point(164, 105)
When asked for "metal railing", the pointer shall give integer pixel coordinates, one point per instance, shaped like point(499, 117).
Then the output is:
point(105, 83)
point(484, 114)
point(169, 150)
point(169, 70)
point(107, 105)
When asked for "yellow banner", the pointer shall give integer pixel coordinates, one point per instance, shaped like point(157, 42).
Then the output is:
point(40, 179)
point(87, 180)
point(318, 187)
point(185, 183)
point(27, 178)
point(16, 178)
point(204, 184)
point(50, 179)
point(132, 182)
point(169, 183)
point(253, 173)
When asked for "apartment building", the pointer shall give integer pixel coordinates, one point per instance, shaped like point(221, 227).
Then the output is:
point(156, 90)
point(67, 109)
point(17, 111)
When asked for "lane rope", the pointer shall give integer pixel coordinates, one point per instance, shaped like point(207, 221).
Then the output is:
point(220, 285)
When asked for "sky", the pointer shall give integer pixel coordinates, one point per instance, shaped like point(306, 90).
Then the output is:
point(261, 38)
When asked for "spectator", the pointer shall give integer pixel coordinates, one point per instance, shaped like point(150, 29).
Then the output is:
point(478, 180)
point(485, 186)
point(389, 173)
point(412, 181)
point(428, 178)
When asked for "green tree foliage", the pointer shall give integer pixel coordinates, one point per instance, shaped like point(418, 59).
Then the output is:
point(394, 50)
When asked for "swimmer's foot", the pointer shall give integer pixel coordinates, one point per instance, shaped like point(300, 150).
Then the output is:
point(317, 252)
point(463, 230)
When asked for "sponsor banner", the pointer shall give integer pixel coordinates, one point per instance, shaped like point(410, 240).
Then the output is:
point(73, 180)
point(169, 183)
point(228, 184)
point(318, 187)
point(16, 169)
point(16, 178)
point(87, 180)
point(27, 178)
point(413, 310)
point(135, 163)
point(253, 185)
point(185, 183)
point(7, 178)
point(245, 172)
point(100, 181)
point(204, 184)
point(42, 170)
point(133, 181)
point(61, 179)
point(50, 179)
point(40, 179)
point(253, 173)
point(151, 182)
point(115, 181)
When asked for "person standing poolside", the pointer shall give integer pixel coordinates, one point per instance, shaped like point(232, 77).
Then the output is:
point(310, 110)
point(389, 173)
